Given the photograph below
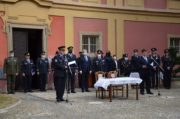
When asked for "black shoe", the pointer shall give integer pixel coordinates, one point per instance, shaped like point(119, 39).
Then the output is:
point(142, 93)
point(68, 92)
point(73, 92)
point(87, 90)
point(150, 93)
point(83, 91)
point(62, 99)
point(30, 91)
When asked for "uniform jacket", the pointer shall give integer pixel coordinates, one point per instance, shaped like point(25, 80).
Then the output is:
point(99, 64)
point(167, 62)
point(59, 64)
point(11, 66)
point(42, 66)
point(27, 67)
point(124, 66)
point(72, 57)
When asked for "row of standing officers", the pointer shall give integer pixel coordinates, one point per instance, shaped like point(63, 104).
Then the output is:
point(147, 66)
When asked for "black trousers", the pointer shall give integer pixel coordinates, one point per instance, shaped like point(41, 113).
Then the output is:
point(42, 81)
point(59, 83)
point(154, 79)
point(167, 79)
point(84, 80)
point(145, 76)
point(27, 83)
point(71, 81)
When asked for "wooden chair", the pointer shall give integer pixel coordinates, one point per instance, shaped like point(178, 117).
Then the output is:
point(99, 91)
point(113, 74)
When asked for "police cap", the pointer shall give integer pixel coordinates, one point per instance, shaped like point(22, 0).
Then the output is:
point(61, 48)
point(70, 48)
point(99, 52)
point(43, 53)
point(125, 55)
point(153, 49)
point(27, 54)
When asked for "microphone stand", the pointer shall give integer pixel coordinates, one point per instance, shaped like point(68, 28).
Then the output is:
point(159, 68)
point(67, 79)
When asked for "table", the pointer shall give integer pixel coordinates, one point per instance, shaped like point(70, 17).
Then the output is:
point(110, 82)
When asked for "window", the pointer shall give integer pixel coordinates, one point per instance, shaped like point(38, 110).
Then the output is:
point(175, 43)
point(91, 42)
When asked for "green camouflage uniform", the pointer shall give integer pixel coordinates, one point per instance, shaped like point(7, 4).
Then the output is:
point(10, 69)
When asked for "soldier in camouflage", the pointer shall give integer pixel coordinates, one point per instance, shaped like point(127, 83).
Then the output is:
point(11, 71)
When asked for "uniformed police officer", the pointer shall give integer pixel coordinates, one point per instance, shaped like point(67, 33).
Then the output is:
point(99, 63)
point(72, 69)
point(125, 65)
point(60, 68)
point(85, 69)
point(155, 68)
point(27, 68)
point(167, 64)
point(145, 64)
point(42, 70)
point(11, 71)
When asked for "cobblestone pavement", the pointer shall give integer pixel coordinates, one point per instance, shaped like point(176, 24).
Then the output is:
point(39, 105)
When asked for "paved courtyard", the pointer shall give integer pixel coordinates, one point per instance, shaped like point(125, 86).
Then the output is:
point(39, 105)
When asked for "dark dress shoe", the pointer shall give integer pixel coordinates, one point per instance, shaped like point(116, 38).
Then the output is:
point(62, 99)
point(150, 93)
point(142, 93)
point(87, 90)
point(83, 91)
point(73, 92)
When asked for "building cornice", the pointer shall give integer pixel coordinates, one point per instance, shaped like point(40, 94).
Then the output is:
point(101, 8)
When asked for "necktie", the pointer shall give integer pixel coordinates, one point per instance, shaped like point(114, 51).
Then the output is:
point(86, 58)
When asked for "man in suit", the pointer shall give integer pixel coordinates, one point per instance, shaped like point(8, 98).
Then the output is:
point(99, 63)
point(145, 64)
point(11, 71)
point(72, 69)
point(60, 68)
point(167, 64)
point(85, 69)
point(42, 70)
point(27, 68)
point(78, 62)
point(155, 68)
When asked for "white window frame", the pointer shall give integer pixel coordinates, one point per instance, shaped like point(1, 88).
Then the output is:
point(173, 36)
point(91, 34)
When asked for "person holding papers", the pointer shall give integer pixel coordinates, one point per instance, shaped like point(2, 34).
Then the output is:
point(72, 69)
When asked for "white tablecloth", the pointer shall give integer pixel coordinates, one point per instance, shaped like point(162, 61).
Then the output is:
point(105, 82)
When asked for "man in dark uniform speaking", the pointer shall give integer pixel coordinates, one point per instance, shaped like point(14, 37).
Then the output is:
point(60, 67)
